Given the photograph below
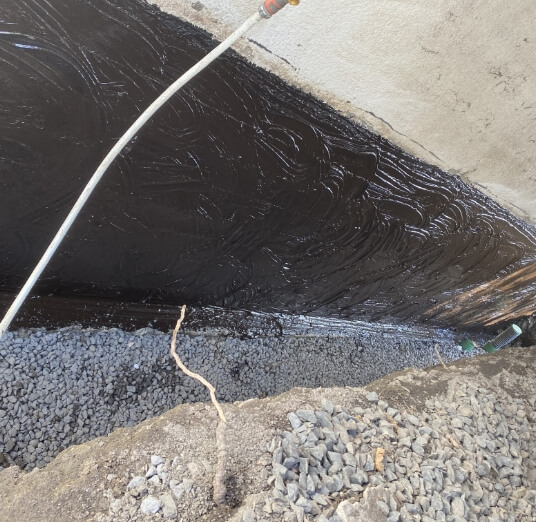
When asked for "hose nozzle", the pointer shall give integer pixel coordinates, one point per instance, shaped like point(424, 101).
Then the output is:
point(270, 7)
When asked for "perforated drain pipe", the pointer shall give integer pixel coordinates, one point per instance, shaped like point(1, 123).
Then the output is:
point(266, 10)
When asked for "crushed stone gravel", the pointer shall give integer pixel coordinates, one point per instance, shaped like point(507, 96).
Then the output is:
point(469, 455)
point(71, 385)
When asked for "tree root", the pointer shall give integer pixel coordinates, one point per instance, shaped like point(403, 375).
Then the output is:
point(439, 357)
point(219, 477)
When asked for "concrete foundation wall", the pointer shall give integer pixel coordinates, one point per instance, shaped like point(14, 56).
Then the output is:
point(452, 82)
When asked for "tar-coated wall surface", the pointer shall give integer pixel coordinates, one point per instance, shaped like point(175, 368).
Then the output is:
point(241, 192)
point(451, 81)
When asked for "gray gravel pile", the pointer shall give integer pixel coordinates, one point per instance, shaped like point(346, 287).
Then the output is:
point(71, 385)
point(469, 457)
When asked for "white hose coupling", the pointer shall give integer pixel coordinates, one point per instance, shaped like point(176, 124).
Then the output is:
point(270, 7)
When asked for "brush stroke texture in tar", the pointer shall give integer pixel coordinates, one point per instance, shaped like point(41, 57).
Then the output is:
point(242, 192)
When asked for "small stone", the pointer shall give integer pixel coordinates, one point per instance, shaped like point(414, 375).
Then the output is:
point(383, 405)
point(503, 461)
point(369, 463)
point(417, 448)
point(277, 456)
point(413, 420)
point(135, 482)
point(280, 470)
point(150, 505)
point(320, 499)
point(304, 503)
point(188, 484)
point(457, 423)
point(405, 441)
point(349, 460)
point(151, 472)
point(484, 469)
point(383, 507)
point(436, 501)
point(333, 484)
point(412, 509)
point(458, 507)
point(156, 460)
point(299, 512)
point(307, 416)
point(154, 480)
point(327, 405)
point(317, 452)
point(392, 412)
point(465, 411)
point(481, 441)
point(390, 475)
point(424, 502)
point(323, 419)
point(343, 434)
point(291, 463)
point(294, 420)
point(366, 510)
point(335, 468)
point(476, 491)
point(359, 477)
point(310, 485)
point(334, 457)
point(115, 506)
point(177, 489)
point(278, 495)
point(372, 397)
point(292, 492)
point(168, 506)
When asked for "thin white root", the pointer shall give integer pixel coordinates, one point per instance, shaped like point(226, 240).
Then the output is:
point(220, 490)
point(439, 357)
point(191, 374)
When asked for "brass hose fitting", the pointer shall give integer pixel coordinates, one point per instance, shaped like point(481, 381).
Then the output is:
point(270, 7)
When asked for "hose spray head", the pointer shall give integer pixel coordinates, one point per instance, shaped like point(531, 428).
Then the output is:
point(270, 7)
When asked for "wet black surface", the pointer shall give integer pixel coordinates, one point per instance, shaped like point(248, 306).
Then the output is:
point(242, 192)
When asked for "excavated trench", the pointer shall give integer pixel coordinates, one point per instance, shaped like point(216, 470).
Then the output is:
point(243, 193)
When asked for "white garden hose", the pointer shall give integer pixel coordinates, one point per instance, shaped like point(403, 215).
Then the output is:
point(267, 9)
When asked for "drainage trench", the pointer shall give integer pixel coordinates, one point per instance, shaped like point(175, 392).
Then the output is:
point(69, 385)
point(243, 193)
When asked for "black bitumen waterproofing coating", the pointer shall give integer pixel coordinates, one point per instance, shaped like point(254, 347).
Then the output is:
point(242, 192)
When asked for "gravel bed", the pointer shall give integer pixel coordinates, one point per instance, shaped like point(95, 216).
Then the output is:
point(465, 458)
point(468, 455)
point(67, 386)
